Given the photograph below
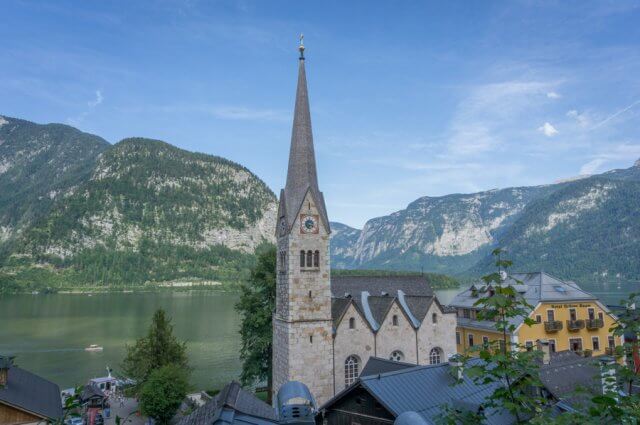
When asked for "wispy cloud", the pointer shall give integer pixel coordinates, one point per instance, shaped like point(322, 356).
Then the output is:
point(553, 95)
point(616, 114)
point(548, 129)
point(592, 166)
point(97, 101)
point(582, 118)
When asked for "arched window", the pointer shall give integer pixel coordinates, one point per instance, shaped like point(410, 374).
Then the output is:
point(351, 370)
point(309, 258)
point(394, 320)
point(352, 323)
point(435, 355)
point(302, 256)
point(396, 356)
point(316, 259)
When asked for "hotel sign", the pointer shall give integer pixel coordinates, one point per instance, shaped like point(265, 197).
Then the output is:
point(570, 305)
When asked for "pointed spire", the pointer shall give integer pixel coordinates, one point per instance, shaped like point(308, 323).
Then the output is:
point(302, 175)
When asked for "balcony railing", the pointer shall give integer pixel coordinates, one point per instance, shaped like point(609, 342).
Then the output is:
point(575, 325)
point(553, 326)
point(593, 324)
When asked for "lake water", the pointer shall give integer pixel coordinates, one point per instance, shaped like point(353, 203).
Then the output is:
point(48, 333)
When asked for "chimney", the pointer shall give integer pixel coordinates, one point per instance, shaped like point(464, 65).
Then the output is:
point(457, 366)
point(6, 363)
point(543, 347)
point(608, 374)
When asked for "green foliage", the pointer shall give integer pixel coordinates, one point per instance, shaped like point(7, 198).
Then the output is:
point(162, 393)
point(157, 349)
point(256, 305)
point(437, 281)
point(504, 362)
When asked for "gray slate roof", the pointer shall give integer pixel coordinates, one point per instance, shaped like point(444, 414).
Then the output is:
point(425, 389)
point(302, 176)
point(233, 405)
point(32, 393)
point(566, 372)
point(374, 295)
point(377, 365)
point(534, 287)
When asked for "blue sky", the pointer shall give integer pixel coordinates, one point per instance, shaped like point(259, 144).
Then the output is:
point(408, 99)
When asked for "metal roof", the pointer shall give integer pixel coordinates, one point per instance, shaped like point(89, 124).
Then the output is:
point(425, 390)
point(378, 365)
point(232, 405)
point(32, 393)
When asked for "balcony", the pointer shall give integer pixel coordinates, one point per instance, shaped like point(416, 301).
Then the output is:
point(594, 324)
point(575, 325)
point(553, 326)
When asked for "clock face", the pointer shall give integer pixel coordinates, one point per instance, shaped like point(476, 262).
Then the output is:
point(309, 223)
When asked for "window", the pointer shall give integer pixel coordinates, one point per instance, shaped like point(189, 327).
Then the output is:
point(311, 339)
point(352, 323)
point(394, 320)
point(552, 345)
point(470, 339)
point(351, 370)
point(458, 338)
point(310, 296)
point(396, 356)
point(591, 313)
point(572, 314)
point(485, 341)
point(434, 318)
point(435, 356)
point(551, 315)
point(465, 313)
point(538, 318)
point(601, 316)
point(528, 345)
point(309, 258)
point(596, 343)
point(575, 344)
point(302, 257)
point(316, 259)
point(611, 341)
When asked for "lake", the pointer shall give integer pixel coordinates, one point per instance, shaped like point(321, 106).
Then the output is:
point(48, 333)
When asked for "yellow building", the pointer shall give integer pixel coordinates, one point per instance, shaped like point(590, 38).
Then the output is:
point(568, 317)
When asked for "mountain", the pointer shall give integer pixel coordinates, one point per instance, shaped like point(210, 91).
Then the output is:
point(39, 164)
point(134, 212)
point(574, 229)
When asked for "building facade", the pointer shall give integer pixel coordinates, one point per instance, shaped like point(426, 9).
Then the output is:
point(325, 329)
point(565, 315)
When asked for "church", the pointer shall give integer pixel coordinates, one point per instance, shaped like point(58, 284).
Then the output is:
point(325, 329)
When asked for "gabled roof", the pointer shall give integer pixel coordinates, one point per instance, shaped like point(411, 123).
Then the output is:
point(232, 405)
point(377, 366)
point(29, 392)
point(425, 390)
point(566, 372)
point(302, 176)
point(374, 296)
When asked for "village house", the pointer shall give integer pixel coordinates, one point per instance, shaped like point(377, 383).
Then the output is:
point(565, 315)
point(26, 398)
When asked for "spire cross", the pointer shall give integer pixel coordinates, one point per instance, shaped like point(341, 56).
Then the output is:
point(301, 47)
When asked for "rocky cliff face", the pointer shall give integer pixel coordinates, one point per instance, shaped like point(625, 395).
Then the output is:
point(140, 210)
point(455, 233)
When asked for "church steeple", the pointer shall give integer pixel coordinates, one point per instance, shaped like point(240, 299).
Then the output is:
point(301, 175)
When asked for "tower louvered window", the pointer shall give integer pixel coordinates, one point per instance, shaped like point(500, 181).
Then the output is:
point(309, 258)
point(316, 259)
point(302, 258)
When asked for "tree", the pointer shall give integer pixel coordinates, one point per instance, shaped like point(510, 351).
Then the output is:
point(163, 392)
point(256, 305)
point(157, 349)
point(504, 362)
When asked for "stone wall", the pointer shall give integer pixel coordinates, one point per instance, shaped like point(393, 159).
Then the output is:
point(441, 334)
point(401, 337)
point(359, 342)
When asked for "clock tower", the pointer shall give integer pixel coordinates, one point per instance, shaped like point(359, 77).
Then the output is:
point(302, 325)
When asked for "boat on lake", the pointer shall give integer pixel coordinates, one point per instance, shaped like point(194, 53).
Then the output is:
point(93, 347)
